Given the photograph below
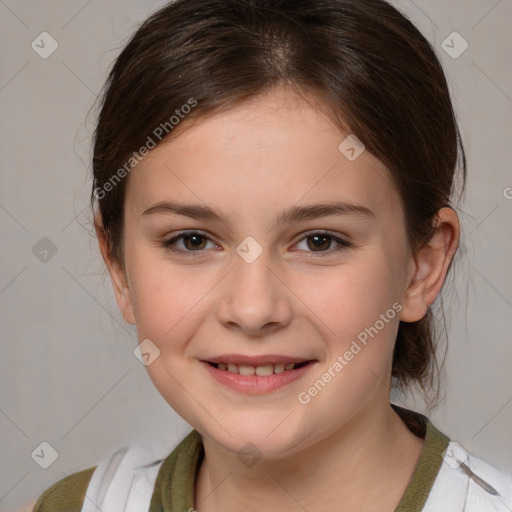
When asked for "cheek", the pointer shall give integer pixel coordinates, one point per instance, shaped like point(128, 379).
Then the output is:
point(346, 300)
point(166, 299)
point(169, 305)
point(356, 311)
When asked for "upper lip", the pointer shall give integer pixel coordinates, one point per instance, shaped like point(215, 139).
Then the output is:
point(260, 360)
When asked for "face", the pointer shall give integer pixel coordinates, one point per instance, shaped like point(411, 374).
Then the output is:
point(292, 253)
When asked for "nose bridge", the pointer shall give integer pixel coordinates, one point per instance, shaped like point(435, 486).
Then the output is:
point(253, 276)
point(252, 297)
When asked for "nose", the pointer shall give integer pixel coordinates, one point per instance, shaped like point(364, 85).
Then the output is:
point(254, 299)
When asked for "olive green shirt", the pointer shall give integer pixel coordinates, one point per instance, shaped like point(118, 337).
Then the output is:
point(174, 488)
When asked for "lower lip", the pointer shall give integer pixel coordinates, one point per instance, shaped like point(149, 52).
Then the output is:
point(256, 384)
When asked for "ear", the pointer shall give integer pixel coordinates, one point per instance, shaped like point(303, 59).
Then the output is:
point(430, 265)
point(117, 274)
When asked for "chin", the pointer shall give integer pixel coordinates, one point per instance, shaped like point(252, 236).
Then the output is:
point(258, 439)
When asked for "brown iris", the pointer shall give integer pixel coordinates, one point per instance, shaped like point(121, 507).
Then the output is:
point(315, 245)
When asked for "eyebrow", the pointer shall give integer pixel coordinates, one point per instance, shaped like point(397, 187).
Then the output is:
point(291, 214)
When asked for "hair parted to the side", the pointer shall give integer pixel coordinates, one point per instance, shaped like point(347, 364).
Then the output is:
point(364, 61)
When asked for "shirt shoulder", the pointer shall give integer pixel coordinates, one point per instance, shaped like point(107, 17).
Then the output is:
point(66, 495)
point(126, 475)
point(449, 478)
point(471, 482)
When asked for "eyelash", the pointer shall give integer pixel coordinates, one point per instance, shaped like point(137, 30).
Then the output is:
point(343, 244)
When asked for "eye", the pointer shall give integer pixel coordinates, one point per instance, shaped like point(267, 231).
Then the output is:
point(319, 241)
point(193, 241)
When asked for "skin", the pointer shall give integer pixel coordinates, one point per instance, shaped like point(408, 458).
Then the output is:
point(249, 164)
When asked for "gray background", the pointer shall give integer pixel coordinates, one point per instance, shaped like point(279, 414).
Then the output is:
point(68, 375)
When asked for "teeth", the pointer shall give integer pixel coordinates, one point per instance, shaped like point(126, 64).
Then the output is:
point(267, 369)
point(263, 370)
point(279, 368)
point(245, 369)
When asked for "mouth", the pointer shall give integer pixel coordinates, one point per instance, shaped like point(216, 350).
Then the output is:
point(257, 375)
point(263, 370)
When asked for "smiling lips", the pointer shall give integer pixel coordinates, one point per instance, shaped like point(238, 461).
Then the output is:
point(261, 370)
point(256, 365)
point(255, 375)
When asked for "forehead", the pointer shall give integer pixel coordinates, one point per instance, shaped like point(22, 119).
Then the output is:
point(274, 149)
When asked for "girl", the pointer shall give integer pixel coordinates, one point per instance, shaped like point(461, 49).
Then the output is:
point(273, 181)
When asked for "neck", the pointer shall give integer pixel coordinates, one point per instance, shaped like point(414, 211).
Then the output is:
point(366, 465)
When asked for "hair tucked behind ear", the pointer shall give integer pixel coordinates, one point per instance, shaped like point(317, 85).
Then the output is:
point(379, 78)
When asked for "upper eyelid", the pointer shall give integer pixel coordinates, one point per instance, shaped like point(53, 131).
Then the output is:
point(322, 232)
point(302, 235)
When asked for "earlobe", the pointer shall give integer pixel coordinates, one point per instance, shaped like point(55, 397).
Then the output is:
point(430, 266)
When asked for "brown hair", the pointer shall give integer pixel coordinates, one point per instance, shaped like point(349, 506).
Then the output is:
point(377, 75)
